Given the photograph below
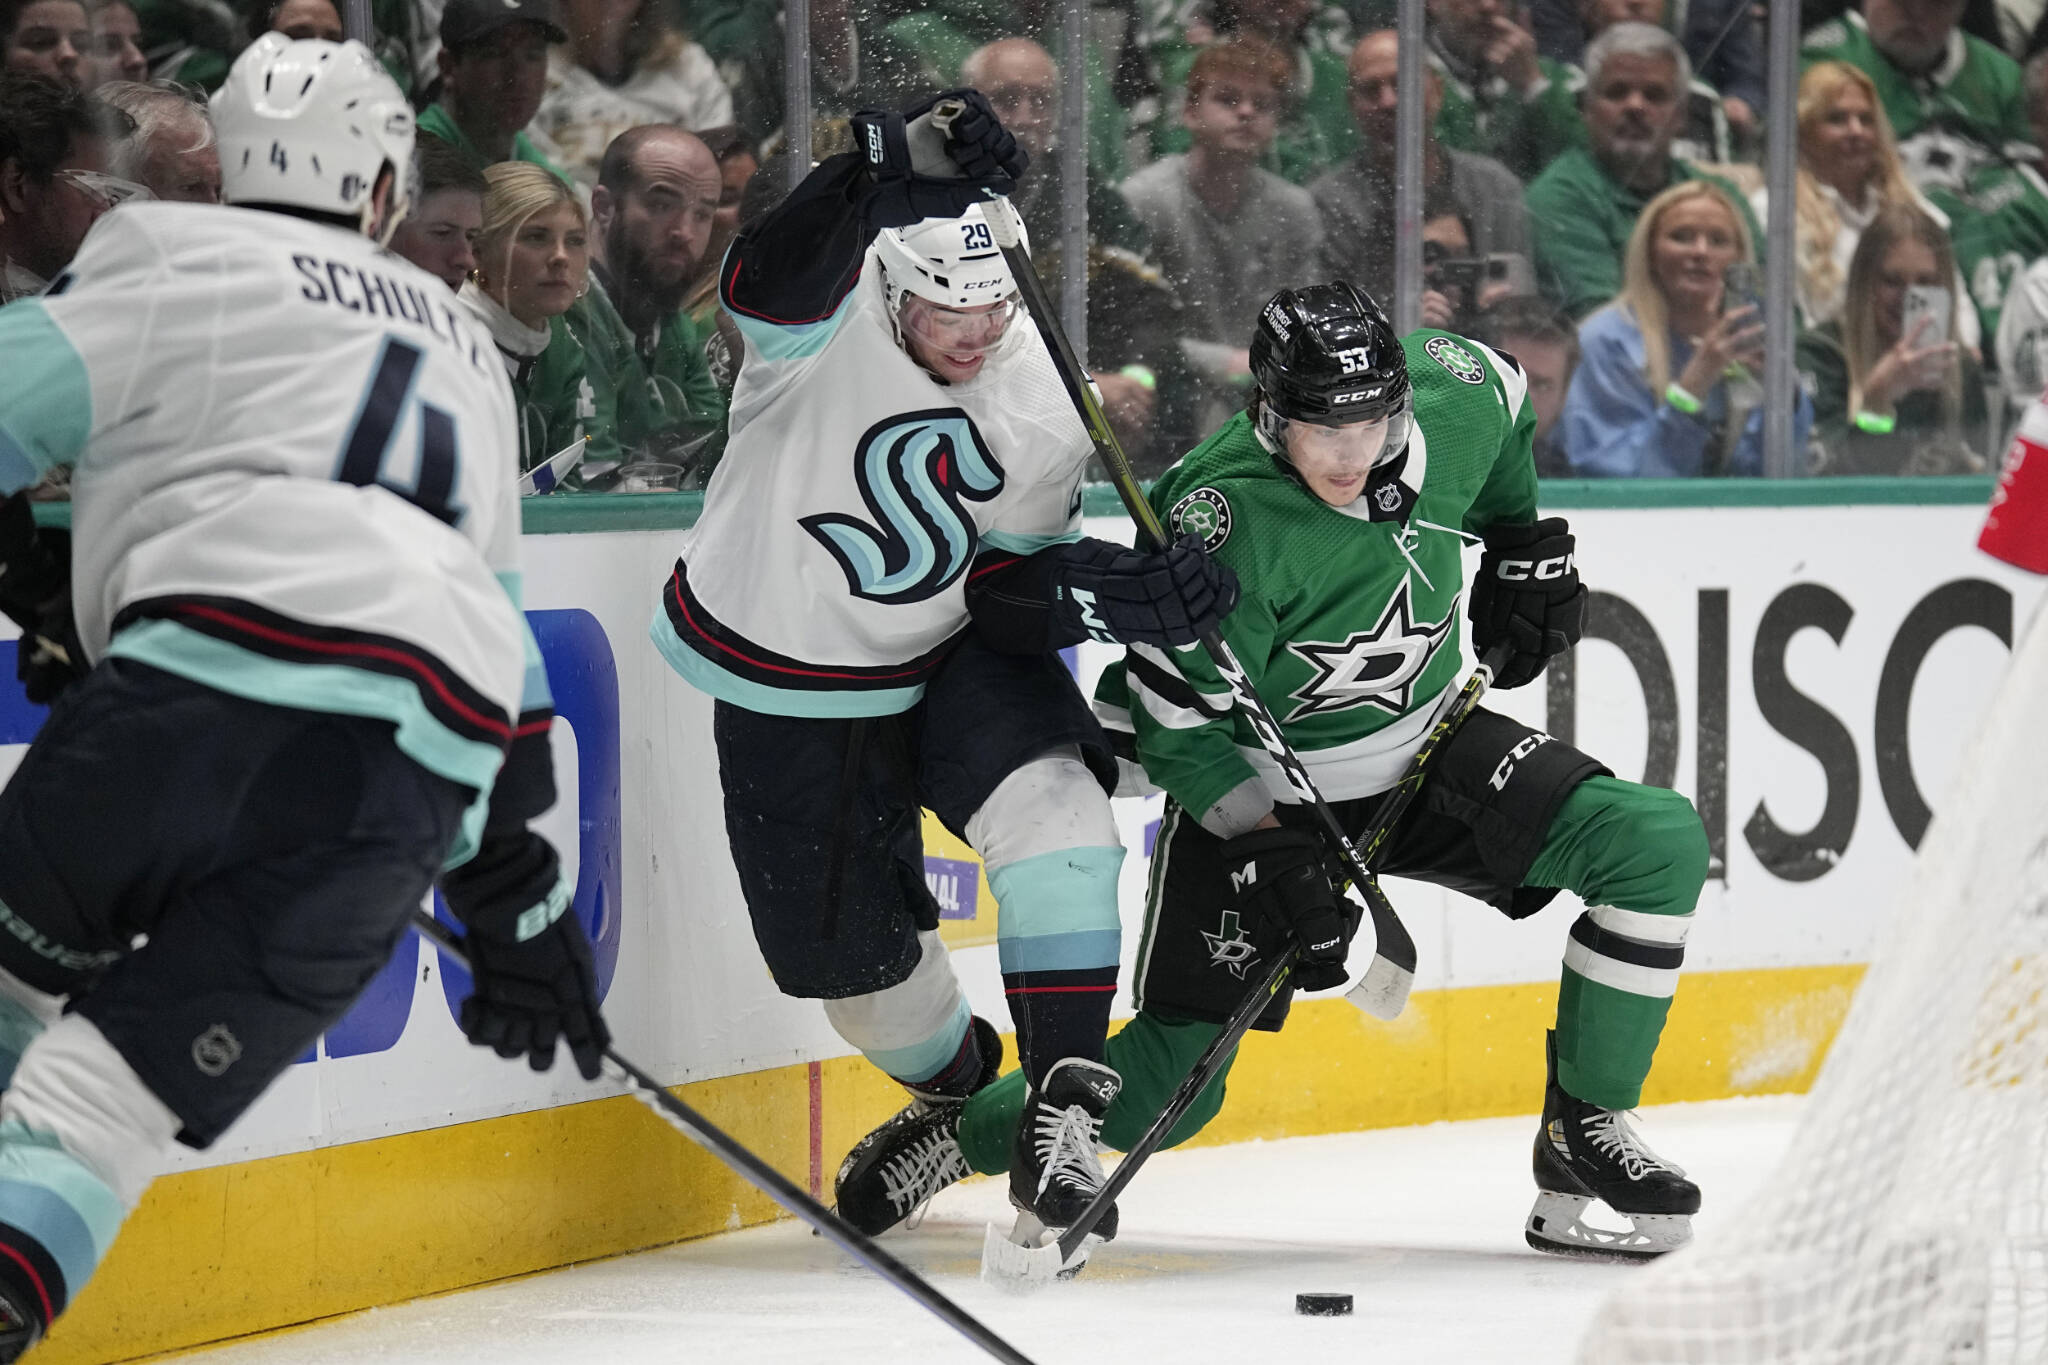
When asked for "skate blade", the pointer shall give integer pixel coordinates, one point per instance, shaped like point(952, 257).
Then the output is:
point(1558, 1225)
point(1027, 1258)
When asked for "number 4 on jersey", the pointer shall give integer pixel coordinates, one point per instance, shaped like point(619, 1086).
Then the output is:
point(369, 438)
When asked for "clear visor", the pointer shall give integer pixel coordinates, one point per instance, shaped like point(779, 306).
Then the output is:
point(107, 191)
point(957, 332)
point(1346, 451)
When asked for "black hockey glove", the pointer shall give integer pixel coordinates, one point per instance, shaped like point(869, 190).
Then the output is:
point(921, 171)
point(1279, 874)
point(35, 593)
point(1528, 596)
point(535, 980)
point(1168, 599)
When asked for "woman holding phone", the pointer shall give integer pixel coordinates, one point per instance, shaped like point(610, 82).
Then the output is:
point(1665, 385)
point(1894, 390)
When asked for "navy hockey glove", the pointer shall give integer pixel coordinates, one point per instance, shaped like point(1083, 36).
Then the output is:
point(535, 978)
point(920, 171)
point(35, 593)
point(1528, 596)
point(1278, 874)
point(1121, 596)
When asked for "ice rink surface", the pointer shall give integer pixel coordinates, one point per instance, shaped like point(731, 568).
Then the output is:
point(1423, 1226)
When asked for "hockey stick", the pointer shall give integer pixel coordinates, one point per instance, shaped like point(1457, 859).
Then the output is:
point(1383, 990)
point(770, 1181)
point(1004, 1261)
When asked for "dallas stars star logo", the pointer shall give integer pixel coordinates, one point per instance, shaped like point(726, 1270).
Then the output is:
point(1228, 946)
point(1377, 667)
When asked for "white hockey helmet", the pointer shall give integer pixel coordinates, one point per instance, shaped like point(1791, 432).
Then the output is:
point(954, 262)
point(312, 124)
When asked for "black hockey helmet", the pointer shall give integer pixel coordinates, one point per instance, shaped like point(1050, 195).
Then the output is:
point(1326, 354)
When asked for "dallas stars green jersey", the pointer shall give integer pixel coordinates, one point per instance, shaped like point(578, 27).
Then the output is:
point(1349, 619)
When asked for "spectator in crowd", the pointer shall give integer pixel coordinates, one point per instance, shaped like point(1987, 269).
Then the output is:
point(1583, 209)
point(1893, 394)
point(439, 233)
point(45, 37)
point(1653, 393)
point(1457, 285)
point(116, 51)
point(745, 39)
point(494, 70)
point(737, 164)
point(1704, 132)
point(1544, 341)
point(1132, 322)
point(1722, 39)
point(1356, 199)
point(171, 150)
point(1849, 171)
point(657, 194)
point(533, 263)
point(624, 66)
point(1954, 101)
point(53, 180)
point(1500, 97)
point(298, 19)
point(1316, 130)
point(1227, 235)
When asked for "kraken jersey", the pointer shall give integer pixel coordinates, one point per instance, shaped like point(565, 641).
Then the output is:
point(1349, 621)
point(827, 575)
point(294, 465)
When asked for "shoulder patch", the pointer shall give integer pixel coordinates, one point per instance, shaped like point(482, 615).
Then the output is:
point(1462, 364)
point(1205, 513)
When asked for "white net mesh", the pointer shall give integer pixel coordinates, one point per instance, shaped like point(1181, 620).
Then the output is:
point(1908, 1223)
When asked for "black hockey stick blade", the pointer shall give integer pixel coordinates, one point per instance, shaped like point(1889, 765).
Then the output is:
point(1006, 1263)
point(1384, 989)
point(772, 1182)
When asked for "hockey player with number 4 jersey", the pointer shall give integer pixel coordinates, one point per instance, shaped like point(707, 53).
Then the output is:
point(1343, 499)
point(888, 557)
point(311, 695)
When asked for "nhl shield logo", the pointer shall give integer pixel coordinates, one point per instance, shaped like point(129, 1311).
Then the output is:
point(1204, 513)
point(1462, 364)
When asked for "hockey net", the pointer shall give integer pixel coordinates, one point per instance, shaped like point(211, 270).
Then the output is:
point(1908, 1221)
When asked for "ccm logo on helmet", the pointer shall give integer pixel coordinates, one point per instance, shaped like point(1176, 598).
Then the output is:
point(1358, 397)
point(1538, 570)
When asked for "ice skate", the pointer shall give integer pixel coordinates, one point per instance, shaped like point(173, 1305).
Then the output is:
point(1585, 1153)
point(20, 1328)
point(896, 1170)
point(1055, 1172)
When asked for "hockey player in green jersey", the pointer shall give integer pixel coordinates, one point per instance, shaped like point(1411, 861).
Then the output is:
point(1343, 498)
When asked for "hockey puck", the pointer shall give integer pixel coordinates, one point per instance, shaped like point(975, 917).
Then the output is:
point(1322, 1305)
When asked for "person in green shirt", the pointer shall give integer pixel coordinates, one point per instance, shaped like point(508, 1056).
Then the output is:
point(494, 71)
point(1583, 208)
point(656, 196)
point(1343, 499)
point(1500, 98)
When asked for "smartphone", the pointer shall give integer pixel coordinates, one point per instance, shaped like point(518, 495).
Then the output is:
point(1742, 287)
point(1926, 301)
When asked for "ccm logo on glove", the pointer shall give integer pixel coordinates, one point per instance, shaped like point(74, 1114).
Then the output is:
point(1536, 570)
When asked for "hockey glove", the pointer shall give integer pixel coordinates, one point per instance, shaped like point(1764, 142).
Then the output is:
point(534, 975)
point(35, 593)
point(1168, 599)
point(922, 171)
point(1528, 596)
point(1279, 874)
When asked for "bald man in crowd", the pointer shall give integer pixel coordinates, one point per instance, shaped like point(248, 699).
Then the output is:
point(657, 189)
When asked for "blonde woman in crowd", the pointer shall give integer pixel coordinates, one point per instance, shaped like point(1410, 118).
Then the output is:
point(1665, 385)
point(624, 67)
point(533, 262)
point(1849, 171)
point(1894, 390)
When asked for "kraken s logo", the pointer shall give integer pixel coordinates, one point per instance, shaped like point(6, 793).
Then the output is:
point(915, 472)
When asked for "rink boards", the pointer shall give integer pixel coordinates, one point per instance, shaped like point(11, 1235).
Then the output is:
point(1806, 672)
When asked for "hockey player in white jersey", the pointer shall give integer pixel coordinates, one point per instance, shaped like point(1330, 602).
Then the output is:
point(312, 693)
point(888, 558)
